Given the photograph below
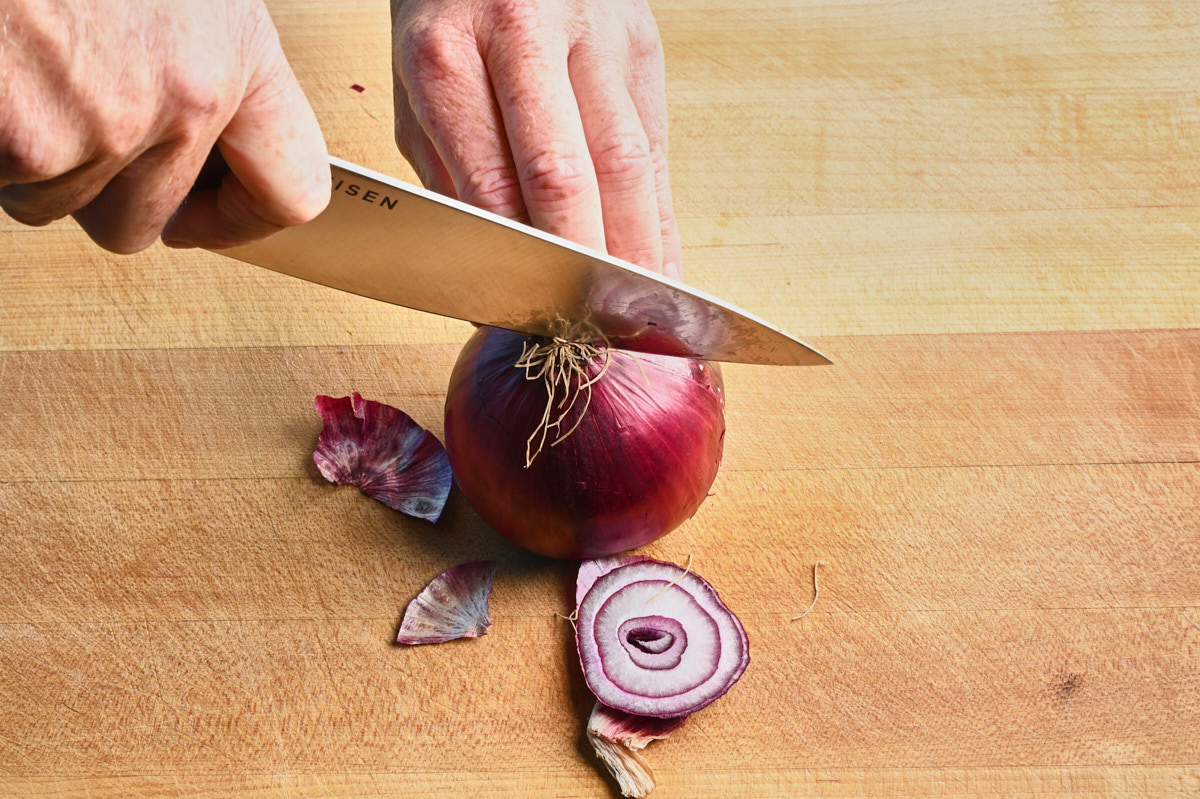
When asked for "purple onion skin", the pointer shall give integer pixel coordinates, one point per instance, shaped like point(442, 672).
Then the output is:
point(640, 463)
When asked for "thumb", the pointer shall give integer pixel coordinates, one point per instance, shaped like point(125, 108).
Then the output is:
point(278, 166)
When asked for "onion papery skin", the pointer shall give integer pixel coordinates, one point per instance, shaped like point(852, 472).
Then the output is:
point(708, 650)
point(639, 464)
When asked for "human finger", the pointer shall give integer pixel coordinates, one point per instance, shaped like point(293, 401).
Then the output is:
point(620, 154)
point(279, 167)
point(544, 130)
point(449, 96)
point(129, 213)
point(646, 82)
point(416, 146)
point(45, 176)
point(46, 201)
point(672, 246)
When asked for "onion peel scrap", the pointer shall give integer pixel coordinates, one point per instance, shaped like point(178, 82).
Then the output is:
point(454, 605)
point(385, 453)
point(617, 737)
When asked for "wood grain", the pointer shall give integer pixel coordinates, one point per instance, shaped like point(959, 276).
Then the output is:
point(1028, 605)
point(986, 215)
point(920, 167)
point(1016, 399)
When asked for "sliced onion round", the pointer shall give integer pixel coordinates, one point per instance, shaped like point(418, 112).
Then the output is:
point(656, 640)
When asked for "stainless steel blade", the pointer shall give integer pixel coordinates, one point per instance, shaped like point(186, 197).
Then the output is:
point(391, 241)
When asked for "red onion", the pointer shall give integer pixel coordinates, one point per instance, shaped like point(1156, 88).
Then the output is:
point(627, 457)
point(655, 639)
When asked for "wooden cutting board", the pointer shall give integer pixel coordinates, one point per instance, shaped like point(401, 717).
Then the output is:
point(985, 214)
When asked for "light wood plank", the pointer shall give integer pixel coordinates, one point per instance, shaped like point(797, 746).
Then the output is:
point(1083, 782)
point(814, 276)
point(978, 540)
point(951, 690)
point(886, 402)
point(986, 214)
point(838, 169)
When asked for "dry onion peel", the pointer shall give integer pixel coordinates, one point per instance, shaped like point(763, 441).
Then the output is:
point(385, 453)
point(453, 605)
point(617, 737)
point(654, 639)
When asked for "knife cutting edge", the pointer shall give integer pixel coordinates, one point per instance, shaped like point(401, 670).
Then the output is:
point(402, 244)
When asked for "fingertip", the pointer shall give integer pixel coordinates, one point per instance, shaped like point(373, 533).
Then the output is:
point(217, 219)
point(231, 215)
point(311, 200)
point(673, 269)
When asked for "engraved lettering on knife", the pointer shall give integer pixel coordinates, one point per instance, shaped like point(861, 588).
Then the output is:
point(366, 195)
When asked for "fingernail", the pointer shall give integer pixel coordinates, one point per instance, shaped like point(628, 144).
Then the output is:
point(179, 244)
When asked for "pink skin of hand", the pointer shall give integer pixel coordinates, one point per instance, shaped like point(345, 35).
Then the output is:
point(551, 112)
point(548, 111)
point(109, 110)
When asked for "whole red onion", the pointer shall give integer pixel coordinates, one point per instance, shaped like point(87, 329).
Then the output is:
point(641, 450)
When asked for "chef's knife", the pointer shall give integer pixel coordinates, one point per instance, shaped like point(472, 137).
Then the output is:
point(392, 241)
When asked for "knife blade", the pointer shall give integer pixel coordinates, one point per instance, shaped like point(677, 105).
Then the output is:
point(392, 241)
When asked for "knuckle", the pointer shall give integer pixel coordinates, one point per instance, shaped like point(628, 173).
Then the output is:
point(28, 158)
point(494, 188)
point(198, 98)
point(507, 18)
point(430, 49)
point(623, 157)
point(554, 176)
point(117, 141)
point(645, 42)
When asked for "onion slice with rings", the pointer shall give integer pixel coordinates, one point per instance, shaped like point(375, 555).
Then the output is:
point(655, 639)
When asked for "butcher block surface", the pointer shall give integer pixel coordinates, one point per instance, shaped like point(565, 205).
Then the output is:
point(986, 214)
